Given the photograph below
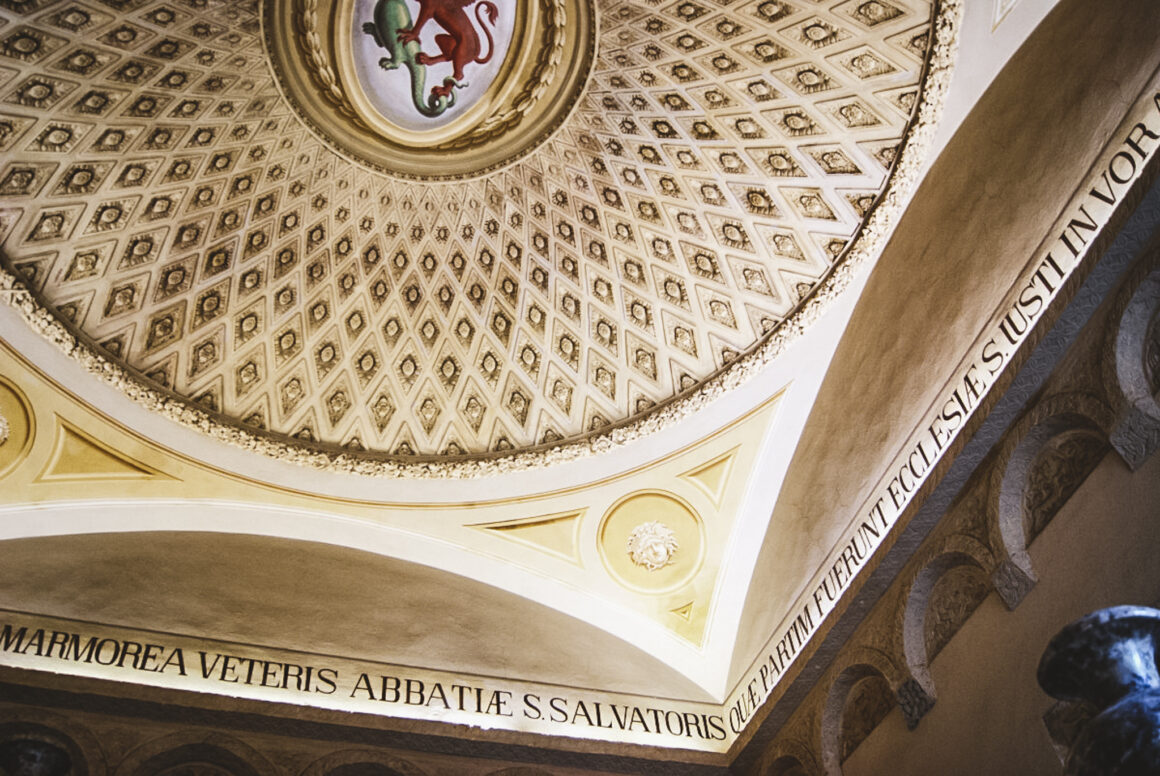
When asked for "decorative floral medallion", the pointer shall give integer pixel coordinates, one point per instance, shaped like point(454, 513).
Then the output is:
point(4, 429)
point(432, 89)
point(652, 545)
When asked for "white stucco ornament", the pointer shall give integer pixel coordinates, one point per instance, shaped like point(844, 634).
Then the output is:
point(4, 429)
point(652, 545)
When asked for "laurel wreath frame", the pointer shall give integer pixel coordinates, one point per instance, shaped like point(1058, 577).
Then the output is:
point(311, 41)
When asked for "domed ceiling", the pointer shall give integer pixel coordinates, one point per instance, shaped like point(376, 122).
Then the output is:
point(169, 198)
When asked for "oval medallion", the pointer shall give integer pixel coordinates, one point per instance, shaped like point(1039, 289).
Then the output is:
point(432, 89)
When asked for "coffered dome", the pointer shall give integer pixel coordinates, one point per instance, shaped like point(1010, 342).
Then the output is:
point(170, 201)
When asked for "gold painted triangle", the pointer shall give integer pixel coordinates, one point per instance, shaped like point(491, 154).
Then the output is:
point(79, 456)
point(713, 476)
point(554, 534)
point(688, 621)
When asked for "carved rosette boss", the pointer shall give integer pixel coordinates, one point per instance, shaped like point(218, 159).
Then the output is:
point(652, 545)
point(1108, 659)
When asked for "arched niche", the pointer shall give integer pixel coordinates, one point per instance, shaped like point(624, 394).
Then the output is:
point(1061, 465)
point(1044, 459)
point(1132, 368)
point(196, 759)
point(787, 765)
point(195, 753)
point(362, 762)
point(368, 769)
point(29, 738)
point(858, 700)
point(942, 596)
point(37, 750)
point(1046, 466)
point(32, 757)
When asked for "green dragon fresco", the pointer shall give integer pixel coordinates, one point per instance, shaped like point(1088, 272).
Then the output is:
point(393, 30)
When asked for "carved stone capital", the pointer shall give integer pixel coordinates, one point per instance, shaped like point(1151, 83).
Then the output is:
point(1135, 437)
point(1013, 580)
point(914, 701)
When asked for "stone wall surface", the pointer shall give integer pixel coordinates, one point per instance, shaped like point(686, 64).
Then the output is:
point(1099, 550)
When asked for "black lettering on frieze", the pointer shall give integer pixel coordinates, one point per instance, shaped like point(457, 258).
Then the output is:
point(460, 690)
point(36, 641)
point(1030, 299)
point(129, 650)
point(581, 710)
point(498, 705)
point(363, 684)
point(766, 672)
point(1122, 166)
point(58, 639)
point(107, 657)
point(994, 357)
point(973, 386)
point(76, 653)
point(149, 656)
point(1077, 230)
point(438, 694)
point(1109, 196)
point(294, 671)
point(600, 718)
point(256, 672)
point(626, 717)
point(327, 681)
point(271, 674)
point(532, 706)
point(1113, 168)
point(77, 648)
point(693, 722)
point(175, 659)
point(410, 691)
point(1138, 134)
point(736, 721)
point(228, 672)
point(207, 668)
point(226, 668)
point(249, 664)
point(12, 641)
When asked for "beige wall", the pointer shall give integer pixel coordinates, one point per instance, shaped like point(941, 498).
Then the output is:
point(1100, 550)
